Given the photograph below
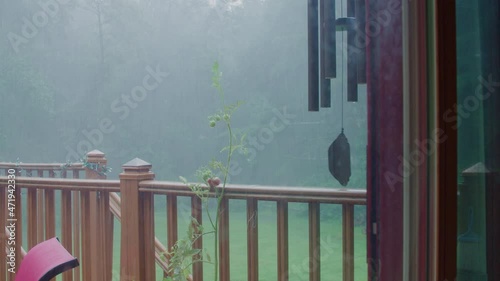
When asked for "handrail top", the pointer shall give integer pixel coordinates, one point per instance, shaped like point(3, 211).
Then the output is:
point(263, 189)
point(67, 181)
point(41, 166)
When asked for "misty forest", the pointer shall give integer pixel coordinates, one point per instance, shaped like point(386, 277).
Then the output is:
point(134, 79)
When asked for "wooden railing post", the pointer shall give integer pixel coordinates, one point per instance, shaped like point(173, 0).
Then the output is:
point(95, 222)
point(137, 239)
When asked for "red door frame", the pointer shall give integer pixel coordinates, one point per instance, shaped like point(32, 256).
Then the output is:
point(385, 142)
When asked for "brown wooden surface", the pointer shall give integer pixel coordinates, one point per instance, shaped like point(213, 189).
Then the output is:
point(347, 242)
point(282, 217)
point(66, 228)
point(266, 193)
point(50, 214)
point(107, 236)
point(314, 243)
point(32, 217)
point(160, 249)
point(85, 235)
point(100, 236)
point(40, 166)
point(147, 235)
point(76, 228)
point(224, 258)
point(133, 264)
point(40, 211)
point(446, 78)
point(94, 230)
point(97, 213)
point(252, 240)
point(68, 184)
point(130, 231)
point(171, 221)
point(197, 214)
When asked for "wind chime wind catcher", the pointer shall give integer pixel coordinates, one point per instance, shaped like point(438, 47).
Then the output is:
point(322, 31)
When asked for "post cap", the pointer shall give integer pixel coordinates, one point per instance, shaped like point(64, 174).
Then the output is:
point(95, 154)
point(96, 157)
point(136, 165)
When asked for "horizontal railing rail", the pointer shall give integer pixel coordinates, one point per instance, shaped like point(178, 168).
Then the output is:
point(269, 193)
point(66, 184)
point(41, 166)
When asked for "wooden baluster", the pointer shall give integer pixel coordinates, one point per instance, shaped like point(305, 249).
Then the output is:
point(197, 213)
point(40, 211)
point(314, 243)
point(108, 236)
point(50, 211)
point(32, 214)
point(252, 240)
point(85, 235)
point(147, 234)
point(224, 264)
point(32, 217)
point(76, 228)
point(348, 242)
point(66, 229)
point(171, 223)
point(137, 241)
point(282, 240)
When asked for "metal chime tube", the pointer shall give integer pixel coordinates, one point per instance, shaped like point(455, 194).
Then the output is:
point(329, 31)
point(361, 39)
point(328, 59)
point(313, 54)
point(352, 58)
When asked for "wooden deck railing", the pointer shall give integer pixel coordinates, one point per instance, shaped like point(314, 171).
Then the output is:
point(89, 205)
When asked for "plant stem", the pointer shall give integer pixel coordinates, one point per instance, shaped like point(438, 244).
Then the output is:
point(219, 200)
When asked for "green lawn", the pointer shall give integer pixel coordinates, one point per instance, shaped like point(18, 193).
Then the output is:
point(331, 250)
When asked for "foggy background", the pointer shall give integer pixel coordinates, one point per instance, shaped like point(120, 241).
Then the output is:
point(68, 70)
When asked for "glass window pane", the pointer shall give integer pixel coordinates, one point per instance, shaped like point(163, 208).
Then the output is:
point(478, 126)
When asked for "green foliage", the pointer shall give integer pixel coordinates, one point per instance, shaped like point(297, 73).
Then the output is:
point(102, 170)
point(183, 254)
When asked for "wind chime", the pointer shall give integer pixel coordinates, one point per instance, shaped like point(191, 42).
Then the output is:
point(322, 29)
